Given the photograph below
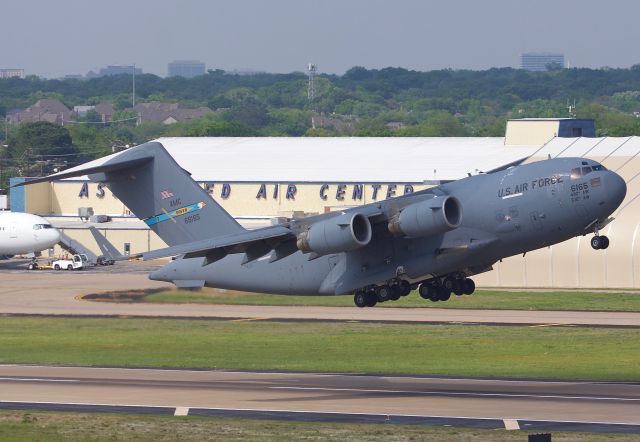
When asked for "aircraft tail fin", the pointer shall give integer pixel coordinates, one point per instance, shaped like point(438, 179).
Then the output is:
point(159, 192)
point(108, 250)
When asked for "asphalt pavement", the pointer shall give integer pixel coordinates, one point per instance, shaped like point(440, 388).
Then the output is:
point(481, 403)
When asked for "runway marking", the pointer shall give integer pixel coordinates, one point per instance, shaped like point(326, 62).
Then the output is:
point(181, 411)
point(248, 319)
point(37, 379)
point(549, 325)
point(462, 393)
point(511, 424)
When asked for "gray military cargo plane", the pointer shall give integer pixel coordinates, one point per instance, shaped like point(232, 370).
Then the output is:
point(433, 240)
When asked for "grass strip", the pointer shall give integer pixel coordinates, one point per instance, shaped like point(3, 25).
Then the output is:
point(482, 299)
point(46, 426)
point(455, 350)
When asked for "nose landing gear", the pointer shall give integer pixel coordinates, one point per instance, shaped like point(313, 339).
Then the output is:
point(599, 242)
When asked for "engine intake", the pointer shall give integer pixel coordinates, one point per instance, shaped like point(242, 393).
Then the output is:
point(431, 217)
point(342, 233)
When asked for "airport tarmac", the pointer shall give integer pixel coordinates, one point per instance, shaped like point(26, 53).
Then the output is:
point(58, 293)
point(484, 403)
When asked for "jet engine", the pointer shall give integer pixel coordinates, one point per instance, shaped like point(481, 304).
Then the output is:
point(342, 233)
point(431, 217)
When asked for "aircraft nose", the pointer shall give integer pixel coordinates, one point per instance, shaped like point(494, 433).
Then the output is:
point(616, 188)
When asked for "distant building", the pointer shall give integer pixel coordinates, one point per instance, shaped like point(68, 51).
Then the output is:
point(338, 123)
point(167, 113)
point(186, 68)
point(543, 130)
point(51, 110)
point(395, 125)
point(118, 70)
point(11, 73)
point(105, 110)
point(540, 61)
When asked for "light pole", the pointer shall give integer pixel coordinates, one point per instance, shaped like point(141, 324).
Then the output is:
point(134, 85)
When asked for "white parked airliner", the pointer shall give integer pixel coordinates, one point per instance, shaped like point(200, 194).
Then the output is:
point(24, 233)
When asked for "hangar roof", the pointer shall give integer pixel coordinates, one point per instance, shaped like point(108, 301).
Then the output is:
point(366, 160)
point(369, 160)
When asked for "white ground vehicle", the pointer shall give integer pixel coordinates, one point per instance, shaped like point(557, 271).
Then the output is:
point(73, 263)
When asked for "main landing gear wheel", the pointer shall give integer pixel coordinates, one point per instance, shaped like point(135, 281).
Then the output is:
point(384, 293)
point(405, 288)
point(425, 291)
point(360, 299)
point(443, 294)
point(468, 286)
point(372, 298)
point(599, 242)
point(395, 292)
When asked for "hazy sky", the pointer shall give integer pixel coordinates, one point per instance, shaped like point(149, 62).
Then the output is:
point(53, 38)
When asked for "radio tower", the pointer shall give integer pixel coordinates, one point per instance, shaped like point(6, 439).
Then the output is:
point(311, 90)
point(311, 87)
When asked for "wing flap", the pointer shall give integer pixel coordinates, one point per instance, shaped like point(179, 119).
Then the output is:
point(250, 241)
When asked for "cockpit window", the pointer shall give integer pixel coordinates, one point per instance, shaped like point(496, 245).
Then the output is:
point(575, 173)
point(597, 167)
point(584, 170)
point(42, 226)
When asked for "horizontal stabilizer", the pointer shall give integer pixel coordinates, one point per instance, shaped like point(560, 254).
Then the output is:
point(91, 168)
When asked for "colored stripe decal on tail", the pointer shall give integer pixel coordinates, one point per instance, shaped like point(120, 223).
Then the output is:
point(174, 213)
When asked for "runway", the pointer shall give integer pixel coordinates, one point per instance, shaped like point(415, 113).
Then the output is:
point(57, 293)
point(482, 403)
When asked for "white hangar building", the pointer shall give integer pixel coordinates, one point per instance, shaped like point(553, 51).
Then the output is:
point(258, 180)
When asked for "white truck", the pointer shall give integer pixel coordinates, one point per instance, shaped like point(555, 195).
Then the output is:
point(73, 263)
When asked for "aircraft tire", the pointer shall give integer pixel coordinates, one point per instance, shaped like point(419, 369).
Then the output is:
point(468, 286)
point(425, 291)
point(372, 298)
point(384, 293)
point(604, 242)
point(396, 292)
point(360, 299)
point(444, 294)
point(458, 288)
point(596, 243)
point(449, 283)
point(405, 288)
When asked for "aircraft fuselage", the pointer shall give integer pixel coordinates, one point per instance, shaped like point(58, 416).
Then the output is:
point(504, 213)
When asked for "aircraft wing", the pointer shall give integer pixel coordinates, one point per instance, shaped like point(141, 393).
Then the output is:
point(254, 243)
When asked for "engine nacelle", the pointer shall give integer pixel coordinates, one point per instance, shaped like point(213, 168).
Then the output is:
point(431, 217)
point(342, 233)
